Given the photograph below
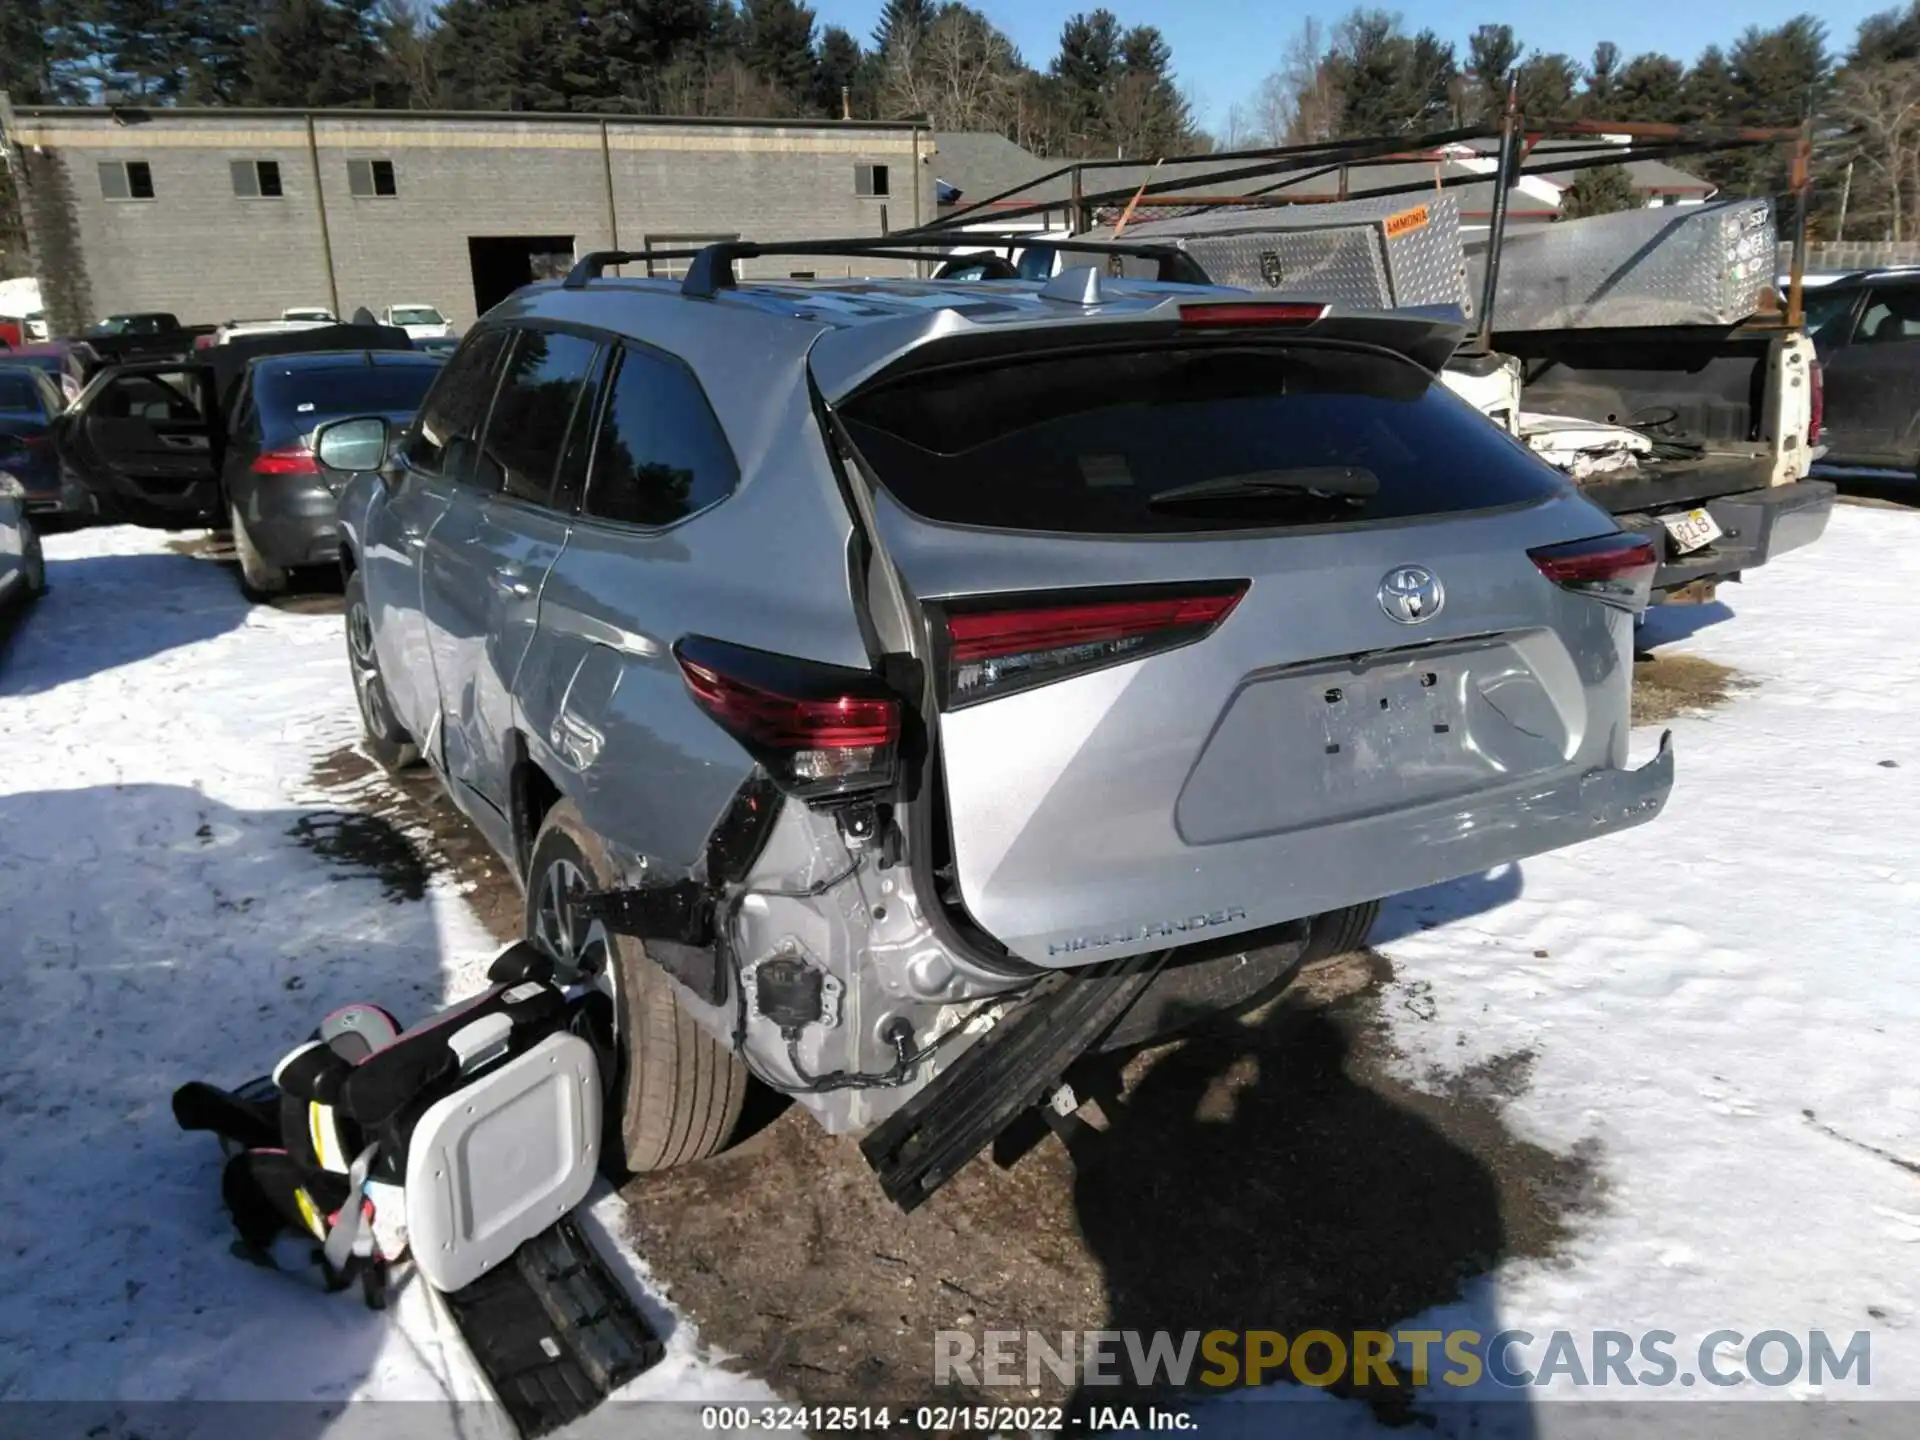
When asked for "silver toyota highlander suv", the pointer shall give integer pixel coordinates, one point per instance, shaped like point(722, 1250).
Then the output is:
point(896, 689)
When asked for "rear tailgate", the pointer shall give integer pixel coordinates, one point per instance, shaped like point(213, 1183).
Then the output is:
point(1215, 712)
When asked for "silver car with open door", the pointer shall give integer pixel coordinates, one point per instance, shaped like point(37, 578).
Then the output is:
point(895, 689)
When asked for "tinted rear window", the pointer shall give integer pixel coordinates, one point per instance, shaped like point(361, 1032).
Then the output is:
point(1092, 443)
point(293, 401)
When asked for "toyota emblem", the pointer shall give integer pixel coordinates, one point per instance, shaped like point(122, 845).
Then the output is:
point(1411, 594)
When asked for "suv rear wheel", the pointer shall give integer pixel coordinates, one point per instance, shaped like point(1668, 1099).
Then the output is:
point(1338, 931)
point(384, 737)
point(676, 1092)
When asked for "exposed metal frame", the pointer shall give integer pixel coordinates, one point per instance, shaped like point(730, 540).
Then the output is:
point(1517, 157)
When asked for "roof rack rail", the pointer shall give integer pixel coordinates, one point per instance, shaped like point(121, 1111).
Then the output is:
point(712, 267)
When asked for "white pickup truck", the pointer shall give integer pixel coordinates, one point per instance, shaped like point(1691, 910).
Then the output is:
point(1698, 435)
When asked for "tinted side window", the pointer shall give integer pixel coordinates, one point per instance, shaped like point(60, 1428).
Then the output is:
point(1892, 315)
point(661, 454)
point(1830, 313)
point(170, 395)
point(545, 375)
point(444, 440)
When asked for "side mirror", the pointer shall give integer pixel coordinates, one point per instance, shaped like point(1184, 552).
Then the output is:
point(352, 445)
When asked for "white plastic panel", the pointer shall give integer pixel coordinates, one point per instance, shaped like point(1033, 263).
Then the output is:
point(498, 1161)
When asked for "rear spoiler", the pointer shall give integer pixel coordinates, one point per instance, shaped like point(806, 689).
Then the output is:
point(849, 360)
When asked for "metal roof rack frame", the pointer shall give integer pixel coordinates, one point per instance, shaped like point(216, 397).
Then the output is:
point(711, 270)
point(1516, 156)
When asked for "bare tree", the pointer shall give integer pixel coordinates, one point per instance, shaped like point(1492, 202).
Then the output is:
point(962, 73)
point(1880, 106)
point(407, 28)
point(1299, 103)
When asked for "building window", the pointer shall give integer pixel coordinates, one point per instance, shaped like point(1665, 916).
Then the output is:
point(126, 180)
point(870, 180)
point(256, 179)
point(370, 177)
point(677, 269)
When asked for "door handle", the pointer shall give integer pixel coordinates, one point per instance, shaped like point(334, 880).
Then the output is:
point(412, 539)
point(508, 582)
point(183, 442)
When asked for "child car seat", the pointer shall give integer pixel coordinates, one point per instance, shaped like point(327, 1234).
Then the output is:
point(452, 1142)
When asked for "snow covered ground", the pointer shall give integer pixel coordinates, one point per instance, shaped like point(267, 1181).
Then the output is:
point(1722, 1010)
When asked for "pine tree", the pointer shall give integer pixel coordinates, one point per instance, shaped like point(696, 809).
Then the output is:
point(1492, 54)
point(1603, 77)
point(778, 45)
point(839, 66)
point(1649, 88)
point(1368, 63)
point(901, 21)
point(1146, 115)
point(313, 53)
point(500, 55)
point(1086, 67)
point(1892, 35)
point(1778, 77)
point(1390, 84)
point(1707, 95)
point(216, 34)
point(1601, 190)
point(1546, 84)
point(28, 55)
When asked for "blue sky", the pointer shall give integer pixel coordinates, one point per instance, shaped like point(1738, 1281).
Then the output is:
point(1223, 48)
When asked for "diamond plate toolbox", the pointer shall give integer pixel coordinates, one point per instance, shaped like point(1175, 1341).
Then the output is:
point(1372, 254)
point(1668, 265)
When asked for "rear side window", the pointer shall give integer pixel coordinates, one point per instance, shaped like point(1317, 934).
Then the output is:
point(661, 454)
point(1186, 439)
point(546, 373)
point(294, 399)
point(444, 439)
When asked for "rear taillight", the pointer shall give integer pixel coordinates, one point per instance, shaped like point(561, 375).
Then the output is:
point(1009, 647)
point(1816, 403)
point(293, 460)
point(1258, 312)
point(819, 731)
point(1617, 569)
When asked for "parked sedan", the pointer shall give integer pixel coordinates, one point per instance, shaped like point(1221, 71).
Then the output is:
point(67, 362)
point(30, 402)
point(280, 503)
point(23, 568)
point(421, 322)
point(223, 440)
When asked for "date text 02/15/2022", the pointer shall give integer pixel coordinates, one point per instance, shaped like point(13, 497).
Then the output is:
point(938, 1419)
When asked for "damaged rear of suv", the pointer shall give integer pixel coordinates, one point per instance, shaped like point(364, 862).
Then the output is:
point(896, 690)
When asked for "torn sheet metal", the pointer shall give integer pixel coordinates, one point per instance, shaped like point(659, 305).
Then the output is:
point(1583, 448)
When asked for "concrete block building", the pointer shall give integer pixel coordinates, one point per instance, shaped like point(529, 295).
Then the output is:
point(238, 214)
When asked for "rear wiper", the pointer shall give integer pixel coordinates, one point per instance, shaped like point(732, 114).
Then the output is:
point(1348, 483)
